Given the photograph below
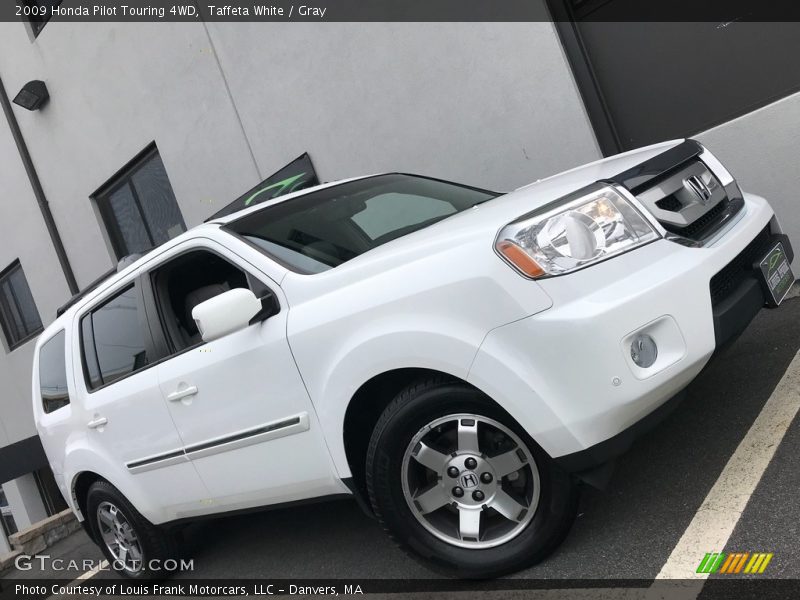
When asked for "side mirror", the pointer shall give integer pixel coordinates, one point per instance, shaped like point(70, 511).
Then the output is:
point(231, 311)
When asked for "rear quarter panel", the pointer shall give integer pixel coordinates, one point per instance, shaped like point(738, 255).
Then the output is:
point(56, 429)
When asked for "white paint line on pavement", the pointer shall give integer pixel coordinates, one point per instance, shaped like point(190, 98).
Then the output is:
point(714, 521)
point(716, 518)
point(93, 572)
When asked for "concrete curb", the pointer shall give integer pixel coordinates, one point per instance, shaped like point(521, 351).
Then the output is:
point(40, 536)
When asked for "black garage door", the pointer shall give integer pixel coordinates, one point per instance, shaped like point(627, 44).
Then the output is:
point(645, 82)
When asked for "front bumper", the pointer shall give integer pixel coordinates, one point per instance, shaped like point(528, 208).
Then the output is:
point(566, 374)
point(737, 293)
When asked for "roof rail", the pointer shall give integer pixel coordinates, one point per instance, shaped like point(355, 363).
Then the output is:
point(92, 286)
point(127, 261)
point(123, 263)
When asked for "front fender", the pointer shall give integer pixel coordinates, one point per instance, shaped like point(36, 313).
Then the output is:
point(427, 307)
point(354, 366)
point(503, 370)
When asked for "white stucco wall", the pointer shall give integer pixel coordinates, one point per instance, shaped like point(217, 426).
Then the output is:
point(493, 105)
point(761, 149)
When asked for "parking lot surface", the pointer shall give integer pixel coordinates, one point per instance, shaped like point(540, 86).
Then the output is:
point(625, 532)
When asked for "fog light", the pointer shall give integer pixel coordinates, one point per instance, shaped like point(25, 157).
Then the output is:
point(644, 351)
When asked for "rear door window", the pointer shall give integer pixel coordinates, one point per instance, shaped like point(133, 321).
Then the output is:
point(114, 343)
point(53, 373)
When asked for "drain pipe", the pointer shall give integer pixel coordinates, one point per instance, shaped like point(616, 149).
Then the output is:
point(41, 199)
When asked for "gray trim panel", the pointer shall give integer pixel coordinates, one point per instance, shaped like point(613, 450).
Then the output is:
point(263, 433)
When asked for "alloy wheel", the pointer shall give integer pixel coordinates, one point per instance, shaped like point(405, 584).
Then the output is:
point(119, 537)
point(470, 481)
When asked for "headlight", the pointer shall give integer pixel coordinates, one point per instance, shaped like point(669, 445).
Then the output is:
point(583, 228)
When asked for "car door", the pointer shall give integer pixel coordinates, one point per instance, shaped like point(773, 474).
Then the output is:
point(127, 424)
point(239, 403)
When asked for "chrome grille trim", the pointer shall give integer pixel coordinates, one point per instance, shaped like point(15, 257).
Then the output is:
point(681, 186)
point(686, 191)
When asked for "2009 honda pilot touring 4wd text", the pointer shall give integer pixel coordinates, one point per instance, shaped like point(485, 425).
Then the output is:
point(455, 358)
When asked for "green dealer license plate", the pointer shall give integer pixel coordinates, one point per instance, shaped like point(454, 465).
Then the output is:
point(777, 274)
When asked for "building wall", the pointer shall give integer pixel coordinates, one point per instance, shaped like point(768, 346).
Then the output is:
point(761, 150)
point(493, 105)
point(488, 104)
point(23, 236)
point(113, 90)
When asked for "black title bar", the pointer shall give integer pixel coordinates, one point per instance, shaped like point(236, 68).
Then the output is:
point(41, 589)
point(723, 12)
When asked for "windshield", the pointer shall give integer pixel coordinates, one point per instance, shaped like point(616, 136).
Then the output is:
point(323, 229)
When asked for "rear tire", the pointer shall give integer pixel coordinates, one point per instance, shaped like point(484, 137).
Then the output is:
point(513, 505)
point(132, 545)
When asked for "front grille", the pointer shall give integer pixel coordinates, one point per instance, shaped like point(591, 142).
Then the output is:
point(740, 268)
point(670, 203)
point(698, 229)
point(684, 194)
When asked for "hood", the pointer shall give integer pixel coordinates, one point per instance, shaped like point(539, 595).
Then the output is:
point(482, 223)
point(493, 215)
point(534, 195)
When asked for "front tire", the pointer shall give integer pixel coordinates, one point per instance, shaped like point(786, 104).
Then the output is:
point(460, 486)
point(132, 545)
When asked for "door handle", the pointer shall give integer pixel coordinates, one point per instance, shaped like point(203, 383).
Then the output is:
point(98, 422)
point(183, 393)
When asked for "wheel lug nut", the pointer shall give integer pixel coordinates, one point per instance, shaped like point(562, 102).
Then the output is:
point(486, 477)
point(458, 492)
point(470, 463)
point(477, 495)
point(452, 471)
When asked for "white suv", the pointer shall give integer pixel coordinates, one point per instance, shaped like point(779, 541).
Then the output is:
point(456, 359)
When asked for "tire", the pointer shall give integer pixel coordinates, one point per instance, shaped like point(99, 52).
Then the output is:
point(430, 538)
point(145, 544)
